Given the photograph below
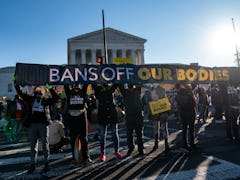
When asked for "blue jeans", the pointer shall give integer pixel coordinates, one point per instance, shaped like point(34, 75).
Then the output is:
point(103, 133)
point(202, 111)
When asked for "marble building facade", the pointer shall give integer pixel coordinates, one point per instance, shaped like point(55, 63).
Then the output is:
point(85, 49)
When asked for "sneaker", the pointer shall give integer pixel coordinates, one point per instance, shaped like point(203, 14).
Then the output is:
point(118, 155)
point(167, 148)
point(88, 160)
point(129, 152)
point(193, 146)
point(186, 147)
point(155, 147)
point(45, 169)
point(31, 169)
point(102, 157)
point(141, 153)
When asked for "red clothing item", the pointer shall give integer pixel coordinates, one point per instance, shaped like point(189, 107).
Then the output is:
point(19, 113)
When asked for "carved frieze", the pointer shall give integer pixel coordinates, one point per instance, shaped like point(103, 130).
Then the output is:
point(111, 35)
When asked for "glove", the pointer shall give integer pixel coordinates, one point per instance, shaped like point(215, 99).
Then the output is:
point(14, 79)
point(48, 86)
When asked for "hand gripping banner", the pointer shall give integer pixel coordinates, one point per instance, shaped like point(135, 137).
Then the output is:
point(39, 74)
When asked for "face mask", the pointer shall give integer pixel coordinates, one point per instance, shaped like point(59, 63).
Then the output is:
point(37, 94)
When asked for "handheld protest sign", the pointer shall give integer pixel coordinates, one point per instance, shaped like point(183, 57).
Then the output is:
point(159, 106)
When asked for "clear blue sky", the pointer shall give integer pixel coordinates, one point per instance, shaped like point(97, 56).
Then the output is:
point(177, 31)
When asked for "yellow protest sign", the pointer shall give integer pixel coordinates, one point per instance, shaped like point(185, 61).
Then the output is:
point(119, 60)
point(159, 106)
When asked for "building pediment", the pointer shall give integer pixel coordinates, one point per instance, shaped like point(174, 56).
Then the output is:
point(112, 35)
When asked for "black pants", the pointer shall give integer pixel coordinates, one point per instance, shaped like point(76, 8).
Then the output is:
point(231, 116)
point(134, 123)
point(130, 139)
point(188, 120)
point(78, 127)
point(218, 112)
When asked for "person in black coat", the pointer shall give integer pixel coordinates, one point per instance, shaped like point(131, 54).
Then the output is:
point(231, 107)
point(187, 109)
point(107, 116)
point(134, 117)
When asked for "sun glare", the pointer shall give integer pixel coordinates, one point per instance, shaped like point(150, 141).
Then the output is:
point(221, 44)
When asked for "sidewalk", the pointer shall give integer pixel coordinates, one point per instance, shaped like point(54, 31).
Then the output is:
point(216, 158)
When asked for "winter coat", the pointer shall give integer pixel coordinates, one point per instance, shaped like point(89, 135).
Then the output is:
point(107, 113)
point(133, 106)
point(186, 102)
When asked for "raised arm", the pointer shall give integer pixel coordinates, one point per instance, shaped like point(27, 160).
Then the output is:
point(20, 93)
point(85, 86)
point(67, 90)
point(122, 90)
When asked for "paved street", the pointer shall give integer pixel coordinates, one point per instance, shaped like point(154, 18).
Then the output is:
point(216, 158)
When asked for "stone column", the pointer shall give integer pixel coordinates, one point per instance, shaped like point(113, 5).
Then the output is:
point(114, 54)
point(93, 56)
point(124, 53)
point(102, 52)
point(133, 54)
point(72, 58)
point(83, 56)
point(142, 56)
point(103, 55)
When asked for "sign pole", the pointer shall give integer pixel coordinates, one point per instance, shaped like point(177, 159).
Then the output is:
point(236, 44)
point(104, 39)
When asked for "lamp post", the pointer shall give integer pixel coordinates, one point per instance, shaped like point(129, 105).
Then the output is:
point(236, 44)
point(104, 39)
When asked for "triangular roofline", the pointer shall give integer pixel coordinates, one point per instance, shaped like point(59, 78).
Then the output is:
point(76, 38)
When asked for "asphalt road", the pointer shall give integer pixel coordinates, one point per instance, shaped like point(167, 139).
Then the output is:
point(215, 158)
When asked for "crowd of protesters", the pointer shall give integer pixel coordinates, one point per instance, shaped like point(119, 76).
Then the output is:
point(57, 120)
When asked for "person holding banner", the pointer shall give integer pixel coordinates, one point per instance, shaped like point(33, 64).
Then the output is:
point(107, 116)
point(187, 109)
point(77, 120)
point(134, 118)
point(38, 122)
point(159, 106)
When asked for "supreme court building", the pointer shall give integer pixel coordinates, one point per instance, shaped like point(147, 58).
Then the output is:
point(86, 48)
